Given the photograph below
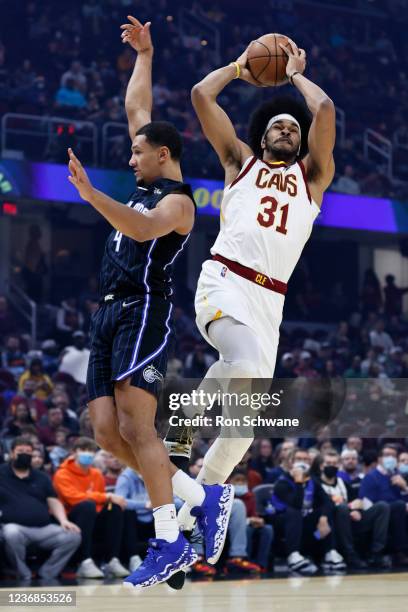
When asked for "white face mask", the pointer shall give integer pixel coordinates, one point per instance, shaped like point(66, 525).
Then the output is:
point(301, 465)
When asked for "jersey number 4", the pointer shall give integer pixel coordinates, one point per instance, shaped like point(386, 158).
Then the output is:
point(118, 240)
point(270, 211)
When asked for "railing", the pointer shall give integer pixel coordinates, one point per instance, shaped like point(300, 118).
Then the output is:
point(23, 133)
point(26, 307)
point(341, 125)
point(199, 26)
point(381, 146)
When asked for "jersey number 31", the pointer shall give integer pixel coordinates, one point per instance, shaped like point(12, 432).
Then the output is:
point(270, 211)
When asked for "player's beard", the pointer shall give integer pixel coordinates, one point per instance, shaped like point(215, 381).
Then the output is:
point(280, 153)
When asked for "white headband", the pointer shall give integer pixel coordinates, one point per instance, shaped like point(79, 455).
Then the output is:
point(281, 117)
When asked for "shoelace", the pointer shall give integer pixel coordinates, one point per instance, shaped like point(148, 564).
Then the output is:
point(153, 551)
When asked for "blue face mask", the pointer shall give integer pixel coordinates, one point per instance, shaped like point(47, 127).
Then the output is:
point(240, 490)
point(85, 459)
point(389, 463)
point(403, 468)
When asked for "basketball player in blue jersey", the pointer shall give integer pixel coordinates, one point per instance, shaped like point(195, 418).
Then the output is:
point(131, 329)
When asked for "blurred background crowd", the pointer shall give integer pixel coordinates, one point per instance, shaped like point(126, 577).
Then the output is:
point(335, 500)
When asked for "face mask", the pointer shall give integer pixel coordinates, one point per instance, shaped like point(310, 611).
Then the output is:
point(85, 458)
point(403, 468)
point(22, 461)
point(240, 490)
point(301, 465)
point(389, 463)
point(330, 471)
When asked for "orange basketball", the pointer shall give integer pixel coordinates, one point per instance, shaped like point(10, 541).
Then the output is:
point(267, 61)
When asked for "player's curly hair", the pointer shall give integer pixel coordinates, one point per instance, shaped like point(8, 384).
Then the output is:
point(279, 104)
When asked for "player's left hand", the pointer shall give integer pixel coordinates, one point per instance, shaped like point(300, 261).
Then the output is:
point(296, 58)
point(79, 177)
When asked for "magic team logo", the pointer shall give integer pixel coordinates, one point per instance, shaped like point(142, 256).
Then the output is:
point(150, 374)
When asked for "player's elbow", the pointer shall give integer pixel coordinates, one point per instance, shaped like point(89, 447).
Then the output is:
point(198, 94)
point(326, 107)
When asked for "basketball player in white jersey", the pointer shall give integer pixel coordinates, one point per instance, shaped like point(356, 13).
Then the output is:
point(274, 188)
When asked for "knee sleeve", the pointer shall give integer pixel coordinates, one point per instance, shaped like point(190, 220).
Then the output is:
point(221, 458)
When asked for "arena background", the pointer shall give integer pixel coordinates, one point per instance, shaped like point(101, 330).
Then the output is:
point(339, 301)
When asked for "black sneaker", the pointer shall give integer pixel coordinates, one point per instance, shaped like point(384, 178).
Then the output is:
point(379, 561)
point(354, 562)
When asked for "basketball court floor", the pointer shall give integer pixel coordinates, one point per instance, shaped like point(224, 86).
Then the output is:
point(370, 593)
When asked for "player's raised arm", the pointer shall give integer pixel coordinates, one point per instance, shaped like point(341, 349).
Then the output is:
point(215, 122)
point(139, 99)
point(319, 162)
point(175, 212)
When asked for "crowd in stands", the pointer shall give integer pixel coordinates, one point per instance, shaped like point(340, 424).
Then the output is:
point(330, 499)
point(73, 65)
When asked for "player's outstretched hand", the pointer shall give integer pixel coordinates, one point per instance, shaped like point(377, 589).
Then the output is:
point(137, 35)
point(246, 75)
point(79, 177)
point(296, 58)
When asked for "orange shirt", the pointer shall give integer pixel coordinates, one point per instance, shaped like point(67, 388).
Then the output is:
point(74, 485)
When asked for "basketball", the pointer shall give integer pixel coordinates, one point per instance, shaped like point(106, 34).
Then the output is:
point(267, 61)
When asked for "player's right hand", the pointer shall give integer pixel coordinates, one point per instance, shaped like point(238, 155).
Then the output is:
point(137, 35)
point(246, 75)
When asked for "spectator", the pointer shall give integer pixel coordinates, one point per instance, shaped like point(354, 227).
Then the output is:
point(74, 358)
point(281, 453)
point(20, 418)
point(49, 349)
point(286, 367)
point(354, 517)
point(262, 461)
point(27, 498)
point(379, 338)
point(198, 362)
point(371, 298)
point(75, 75)
point(69, 319)
point(346, 183)
point(303, 511)
point(69, 95)
point(51, 425)
point(403, 465)
point(112, 472)
point(60, 451)
point(99, 515)
point(37, 406)
point(258, 534)
point(393, 296)
point(383, 483)
point(43, 384)
point(354, 371)
point(12, 357)
point(395, 366)
point(305, 367)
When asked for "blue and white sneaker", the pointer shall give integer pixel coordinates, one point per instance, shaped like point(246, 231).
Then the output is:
point(213, 517)
point(162, 561)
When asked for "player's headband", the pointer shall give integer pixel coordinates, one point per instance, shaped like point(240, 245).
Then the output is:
point(282, 117)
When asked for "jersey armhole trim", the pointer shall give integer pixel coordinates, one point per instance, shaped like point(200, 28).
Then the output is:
point(244, 170)
point(303, 170)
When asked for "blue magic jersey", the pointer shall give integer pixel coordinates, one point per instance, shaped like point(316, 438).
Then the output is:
point(136, 268)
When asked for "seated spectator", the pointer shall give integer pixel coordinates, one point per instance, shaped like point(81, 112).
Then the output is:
point(194, 468)
point(393, 296)
point(354, 517)
point(76, 75)
point(346, 182)
point(99, 515)
point(384, 483)
point(303, 513)
point(49, 349)
point(286, 366)
point(85, 424)
point(60, 451)
point(112, 472)
point(20, 417)
point(68, 95)
point(60, 399)
point(349, 471)
point(254, 477)
point(281, 453)
point(38, 460)
point(354, 371)
point(138, 516)
point(259, 536)
point(305, 367)
point(43, 384)
point(27, 498)
point(69, 319)
point(379, 338)
point(395, 366)
point(262, 459)
point(12, 357)
point(37, 406)
point(74, 358)
point(48, 430)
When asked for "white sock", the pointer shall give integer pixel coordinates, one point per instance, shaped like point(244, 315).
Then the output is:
point(188, 489)
point(165, 522)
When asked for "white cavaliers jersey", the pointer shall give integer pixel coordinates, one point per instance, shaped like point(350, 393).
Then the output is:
point(267, 216)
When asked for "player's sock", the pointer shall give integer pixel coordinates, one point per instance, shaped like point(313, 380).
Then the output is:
point(188, 489)
point(165, 522)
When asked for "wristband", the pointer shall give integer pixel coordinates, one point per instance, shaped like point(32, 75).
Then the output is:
point(238, 69)
point(292, 75)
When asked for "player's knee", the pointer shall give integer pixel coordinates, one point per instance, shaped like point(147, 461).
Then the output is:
point(244, 368)
point(137, 435)
point(107, 438)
